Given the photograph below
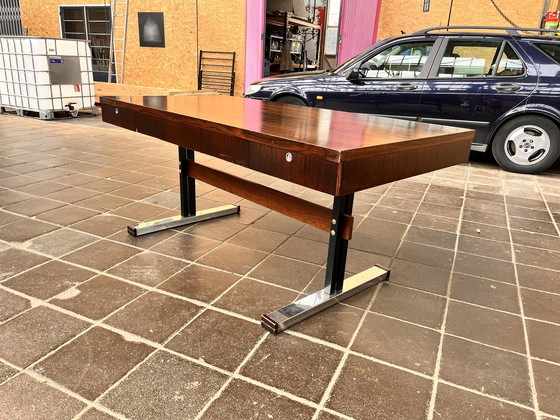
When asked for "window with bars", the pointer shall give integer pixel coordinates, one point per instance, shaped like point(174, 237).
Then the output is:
point(94, 24)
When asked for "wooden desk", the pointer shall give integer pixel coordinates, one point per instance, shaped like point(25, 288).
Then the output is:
point(335, 152)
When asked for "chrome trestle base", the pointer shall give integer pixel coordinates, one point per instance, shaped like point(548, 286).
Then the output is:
point(308, 306)
point(177, 221)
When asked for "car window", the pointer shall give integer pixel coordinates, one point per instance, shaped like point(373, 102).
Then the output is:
point(552, 50)
point(510, 64)
point(475, 58)
point(398, 61)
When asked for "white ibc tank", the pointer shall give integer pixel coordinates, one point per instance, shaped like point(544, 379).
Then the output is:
point(46, 75)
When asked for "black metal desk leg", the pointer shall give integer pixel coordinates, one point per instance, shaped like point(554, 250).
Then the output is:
point(336, 287)
point(338, 246)
point(187, 186)
point(187, 192)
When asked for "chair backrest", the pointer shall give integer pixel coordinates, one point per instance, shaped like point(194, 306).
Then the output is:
point(216, 71)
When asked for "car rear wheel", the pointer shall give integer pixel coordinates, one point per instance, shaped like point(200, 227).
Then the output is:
point(528, 144)
point(291, 99)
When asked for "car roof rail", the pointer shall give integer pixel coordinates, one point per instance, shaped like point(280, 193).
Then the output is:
point(511, 30)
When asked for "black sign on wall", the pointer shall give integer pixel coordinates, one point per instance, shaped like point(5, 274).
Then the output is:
point(151, 28)
point(426, 5)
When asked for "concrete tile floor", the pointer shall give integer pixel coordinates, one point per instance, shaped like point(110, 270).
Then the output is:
point(96, 324)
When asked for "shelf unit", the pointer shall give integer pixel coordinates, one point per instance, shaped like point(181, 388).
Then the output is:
point(282, 22)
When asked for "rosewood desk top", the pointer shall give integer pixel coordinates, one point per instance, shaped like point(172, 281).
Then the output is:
point(330, 151)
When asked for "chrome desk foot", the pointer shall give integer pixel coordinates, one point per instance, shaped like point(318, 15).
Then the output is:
point(293, 313)
point(177, 221)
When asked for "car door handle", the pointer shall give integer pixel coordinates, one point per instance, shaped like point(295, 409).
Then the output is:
point(507, 87)
point(407, 86)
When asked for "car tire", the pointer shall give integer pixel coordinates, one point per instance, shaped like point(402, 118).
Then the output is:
point(291, 99)
point(527, 144)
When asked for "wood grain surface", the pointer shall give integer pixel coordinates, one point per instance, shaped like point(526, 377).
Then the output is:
point(330, 151)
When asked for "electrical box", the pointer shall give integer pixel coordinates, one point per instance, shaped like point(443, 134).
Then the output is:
point(46, 76)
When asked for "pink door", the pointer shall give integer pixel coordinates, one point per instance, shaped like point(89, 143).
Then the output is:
point(358, 27)
point(254, 43)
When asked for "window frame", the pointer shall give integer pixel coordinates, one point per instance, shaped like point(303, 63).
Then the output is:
point(433, 73)
point(385, 46)
point(100, 72)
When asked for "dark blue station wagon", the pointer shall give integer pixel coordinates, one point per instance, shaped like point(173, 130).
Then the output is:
point(502, 82)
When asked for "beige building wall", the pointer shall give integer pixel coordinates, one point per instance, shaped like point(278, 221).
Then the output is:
point(407, 15)
point(190, 26)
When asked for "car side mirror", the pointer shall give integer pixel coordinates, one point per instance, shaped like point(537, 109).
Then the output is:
point(354, 75)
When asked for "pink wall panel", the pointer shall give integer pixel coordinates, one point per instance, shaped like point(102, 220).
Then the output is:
point(254, 45)
point(358, 27)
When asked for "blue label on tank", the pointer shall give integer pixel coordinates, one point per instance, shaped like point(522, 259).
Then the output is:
point(56, 60)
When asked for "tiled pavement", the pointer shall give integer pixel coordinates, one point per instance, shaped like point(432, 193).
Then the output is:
point(95, 324)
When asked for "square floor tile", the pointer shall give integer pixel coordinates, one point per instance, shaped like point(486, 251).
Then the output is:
point(547, 384)
point(543, 258)
point(26, 398)
point(7, 218)
point(419, 276)
point(218, 339)
point(187, 247)
point(538, 278)
point(485, 369)
point(93, 362)
point(154, 316)
point(102, 225)
point(101, 255)
point(49, 279)
point(492, 294)
point(15, 261)
point(367, 390)
point(60, 242)
point(188, 388)
point(242, 400)
point(336, 324)
point(410, 305)
point(453, 403)
point(536, 240)
point(11, 305)
point(541, 305)
point(483, 231)
point(6, 372)
point(484, 247)
point(486, 326)
point(431, 237)
point(220, 229)
point(544, 340)
point(34, 206)
point(285, 272)
point(398, 343)
point(293, 361)
point(67, 215)
point(484, 267)
point(259, 239)
point(35, 333)
point(427, 255)
point(97, 297)
point(253, 299)
point(200, 283)
point(72, 195)
point(22, 231)
point(144, 241)
point(304, 250)
point(148, 268)
point(233, 258)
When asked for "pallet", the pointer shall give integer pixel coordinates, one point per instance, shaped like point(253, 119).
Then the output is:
point(49, 114)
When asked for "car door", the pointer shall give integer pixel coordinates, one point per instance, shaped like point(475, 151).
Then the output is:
point(388, 82)
point(473, 82)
